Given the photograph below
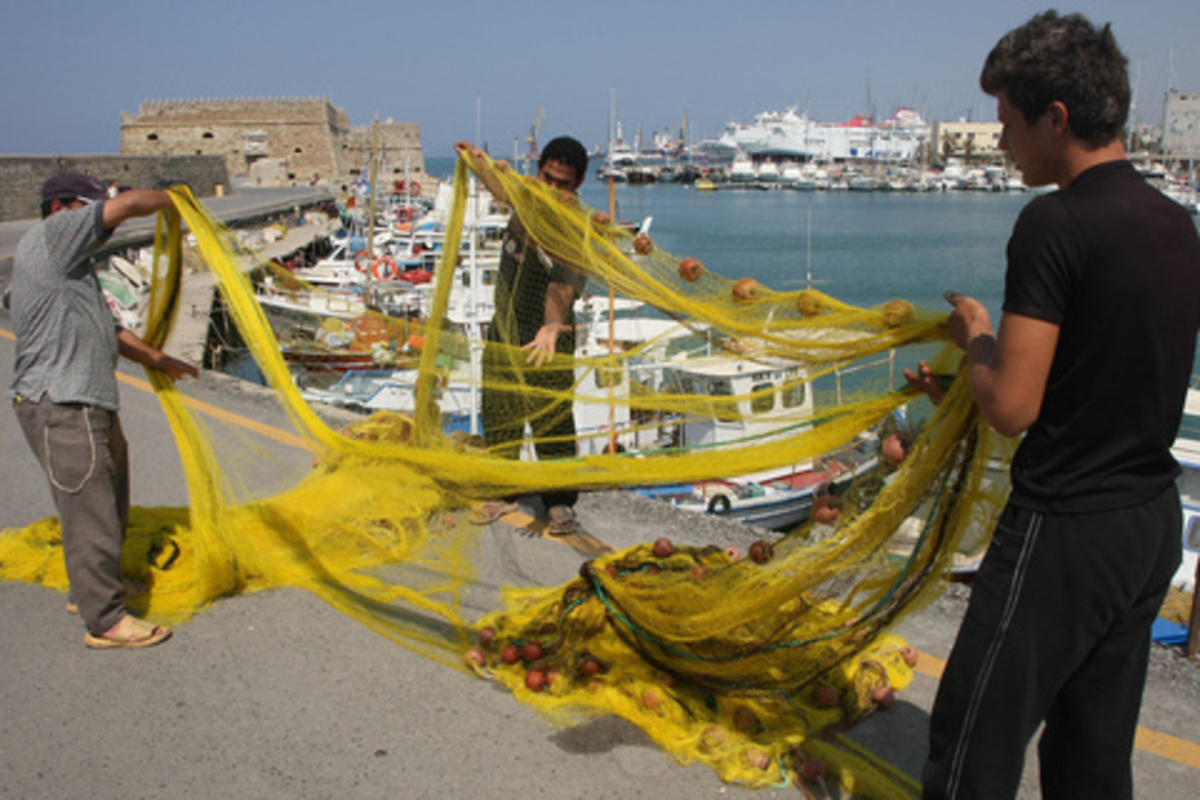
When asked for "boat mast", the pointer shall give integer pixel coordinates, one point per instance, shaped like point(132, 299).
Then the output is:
point(372, 177)
point(808, 272)
point(612, 300)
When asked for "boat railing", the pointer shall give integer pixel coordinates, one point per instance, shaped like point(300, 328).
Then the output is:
point(841, 372)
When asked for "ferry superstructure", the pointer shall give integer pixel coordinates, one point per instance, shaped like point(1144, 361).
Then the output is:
point(794, 135)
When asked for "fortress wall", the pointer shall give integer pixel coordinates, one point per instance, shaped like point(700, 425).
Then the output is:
point(305, 133)
point(21, 177)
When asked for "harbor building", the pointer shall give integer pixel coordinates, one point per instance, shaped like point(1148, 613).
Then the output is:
point(967, 140)
point(1181, 126)
point(271, 141)
point(398, 145)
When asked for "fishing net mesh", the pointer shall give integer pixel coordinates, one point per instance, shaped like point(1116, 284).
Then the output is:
point(753, 666)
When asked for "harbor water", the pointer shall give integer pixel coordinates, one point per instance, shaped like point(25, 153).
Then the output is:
point(864, 248)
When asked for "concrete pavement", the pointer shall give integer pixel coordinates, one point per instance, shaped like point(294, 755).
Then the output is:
point(278, 695)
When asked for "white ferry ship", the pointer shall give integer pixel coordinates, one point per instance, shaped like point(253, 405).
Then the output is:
point(788, 134)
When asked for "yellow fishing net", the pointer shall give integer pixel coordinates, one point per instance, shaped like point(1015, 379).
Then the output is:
point(751, 665)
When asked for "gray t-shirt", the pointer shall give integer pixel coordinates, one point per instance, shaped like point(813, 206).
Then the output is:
point(66, 334)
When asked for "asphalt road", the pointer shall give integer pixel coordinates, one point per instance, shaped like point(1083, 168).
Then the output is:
point(278, 695)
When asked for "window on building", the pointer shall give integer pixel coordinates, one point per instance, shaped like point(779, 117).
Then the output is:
point(206, 135)
point(298, 150)
point(152, 137)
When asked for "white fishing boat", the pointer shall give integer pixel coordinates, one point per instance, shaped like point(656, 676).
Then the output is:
point(768, 172)
point(779, 503)
point(766, 398)
point(370, 390)
point(1186, 450)
point(1182, 193)
point(742, 170)
point(276, 297)
point(793, 176)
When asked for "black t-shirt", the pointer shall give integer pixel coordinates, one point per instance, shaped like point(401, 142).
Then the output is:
point(1116, 265)
point(525, 274)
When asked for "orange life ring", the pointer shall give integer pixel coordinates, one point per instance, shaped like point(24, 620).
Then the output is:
point(404, 214)
point(399, 186)
point(362, 261)
point(414, 188)
point(385, 269)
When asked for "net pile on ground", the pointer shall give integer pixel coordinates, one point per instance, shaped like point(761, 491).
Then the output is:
point(734, 663)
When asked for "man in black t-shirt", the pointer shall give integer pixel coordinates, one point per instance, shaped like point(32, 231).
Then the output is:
point(1091, 363)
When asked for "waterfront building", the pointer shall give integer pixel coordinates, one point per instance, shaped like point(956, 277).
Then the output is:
point(277, 140)
point(1181, 126)
point(968, 140)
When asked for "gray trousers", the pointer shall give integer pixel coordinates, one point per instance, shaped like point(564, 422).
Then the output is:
point(84, 455)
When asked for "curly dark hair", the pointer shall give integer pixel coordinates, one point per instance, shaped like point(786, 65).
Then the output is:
point(1067, 59)
point(566, 150)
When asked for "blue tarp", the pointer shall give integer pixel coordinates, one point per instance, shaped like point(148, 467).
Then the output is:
point(1167, 632)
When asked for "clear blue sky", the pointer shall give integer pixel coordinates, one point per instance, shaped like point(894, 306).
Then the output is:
point(69, 68)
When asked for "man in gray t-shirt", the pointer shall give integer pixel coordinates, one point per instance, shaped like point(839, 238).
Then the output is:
point(65, 395)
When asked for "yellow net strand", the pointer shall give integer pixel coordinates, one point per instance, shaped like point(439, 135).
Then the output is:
point(728, 662)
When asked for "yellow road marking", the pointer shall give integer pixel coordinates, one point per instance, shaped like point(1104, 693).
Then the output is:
point(261, 428)
point(1148, 741)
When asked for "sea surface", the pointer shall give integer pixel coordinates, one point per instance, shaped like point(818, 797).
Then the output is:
point(864, 248)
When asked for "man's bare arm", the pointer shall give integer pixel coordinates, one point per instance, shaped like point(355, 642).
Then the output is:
point(1008, 371)
point(133, 203)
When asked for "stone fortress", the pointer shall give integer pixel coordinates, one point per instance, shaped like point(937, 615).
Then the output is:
point(217, 144)
point(274, 141)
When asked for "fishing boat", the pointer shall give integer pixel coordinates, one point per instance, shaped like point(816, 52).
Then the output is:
point(768, 171)
point(769, 398)
point(641, 173)
point(1186, 450)
point(742, 170)
point(318, 359)
point(779, 503)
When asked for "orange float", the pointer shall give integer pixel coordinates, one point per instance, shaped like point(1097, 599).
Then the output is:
point(746, 290)
point(825, 509)
point(690, 269)
point(385, 269)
